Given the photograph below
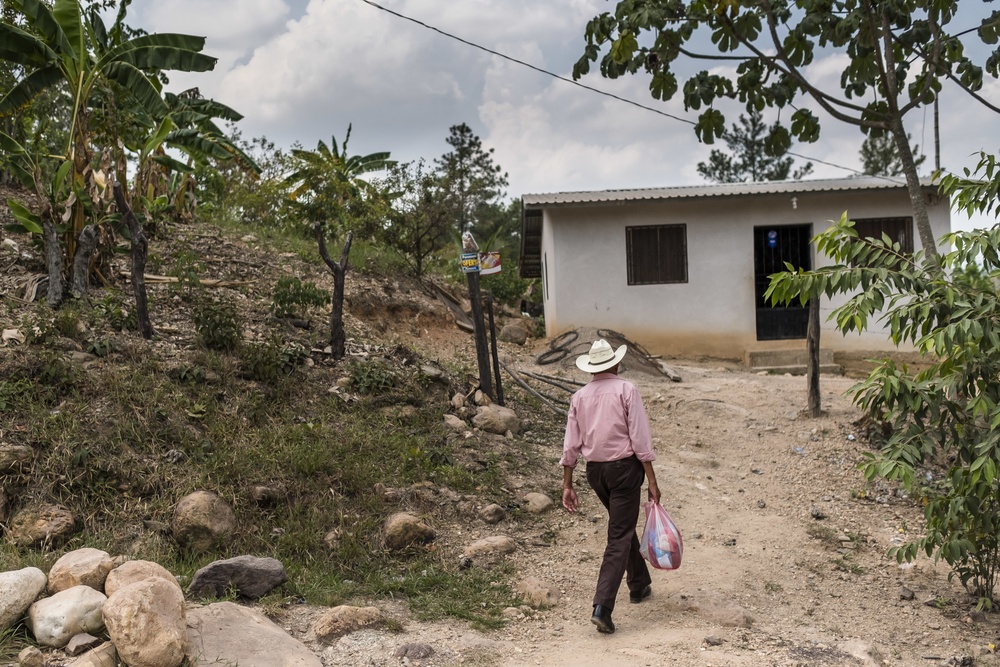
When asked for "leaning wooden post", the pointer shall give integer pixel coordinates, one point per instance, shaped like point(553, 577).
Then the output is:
point(812, 349)
point(140, 250)
point(470, 266)
point(493, 347)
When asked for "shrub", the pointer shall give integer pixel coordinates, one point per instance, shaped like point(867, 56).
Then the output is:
point(293, 297)
point(218, 324)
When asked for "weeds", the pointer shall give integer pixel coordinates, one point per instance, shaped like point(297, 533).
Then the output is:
point(218, 324)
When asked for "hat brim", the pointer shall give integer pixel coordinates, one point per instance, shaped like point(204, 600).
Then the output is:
point(583, 362)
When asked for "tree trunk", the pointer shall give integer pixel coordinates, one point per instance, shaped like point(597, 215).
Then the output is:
point(338, 343)
point(812, 347)
point(86, 243)
point(920, 218)
point(53, 260)
point(140, 250)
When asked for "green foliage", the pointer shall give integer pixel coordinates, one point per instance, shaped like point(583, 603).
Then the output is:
point(753, 155)
point(472, 182)
point(507, 286)
point(271, 361)
point(945, 416)
point(371, 376)
point(110, 311)
point(187, 269)
point(218, 324)
point(292, 297)
point(769, 46)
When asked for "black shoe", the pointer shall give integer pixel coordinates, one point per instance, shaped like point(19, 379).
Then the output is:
point(602, 619)
point(635, 597)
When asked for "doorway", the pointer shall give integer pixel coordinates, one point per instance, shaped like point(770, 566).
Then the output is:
point(773, 246)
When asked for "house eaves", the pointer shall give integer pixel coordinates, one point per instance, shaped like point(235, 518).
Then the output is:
point(717, 190)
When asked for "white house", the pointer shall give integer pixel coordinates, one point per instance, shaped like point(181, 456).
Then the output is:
point(683, 270)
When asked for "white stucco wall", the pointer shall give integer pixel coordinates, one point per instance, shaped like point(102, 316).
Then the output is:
point(713, 314)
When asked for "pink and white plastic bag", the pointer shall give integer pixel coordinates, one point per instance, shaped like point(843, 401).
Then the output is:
point(661, 542)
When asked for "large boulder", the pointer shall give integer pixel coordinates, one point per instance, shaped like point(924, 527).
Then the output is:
point(54, 620)
point(496, 419)
point(225, 633)
point(202, 520)
point(18, 589)
point(403, 529)
point(146, 623)
point(248, 576)
point(33, 526)
point(514, 332)
point(133, 571)
point(82, 567)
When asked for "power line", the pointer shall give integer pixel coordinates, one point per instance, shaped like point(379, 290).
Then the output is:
point(592, 89)
point(525, 64)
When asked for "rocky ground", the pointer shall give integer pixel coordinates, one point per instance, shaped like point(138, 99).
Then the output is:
point(785, 551)
point(785, 543)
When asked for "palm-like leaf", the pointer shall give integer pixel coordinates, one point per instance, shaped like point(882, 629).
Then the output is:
point(22, 48)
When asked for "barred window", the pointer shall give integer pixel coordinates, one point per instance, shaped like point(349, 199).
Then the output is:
point(899, 230)
point(656, 254)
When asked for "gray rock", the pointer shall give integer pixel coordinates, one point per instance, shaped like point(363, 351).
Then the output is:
point(455, 423)
point(81, 643)
point(54, 620)
point(403, 530)
point(249, 576)
point(496, 419)
point(15, 457)
point(713, 640)
point(343, 620)
point(202, 520)
point(492, 514)
point(49, 524)
point(538, 593)
point(514, 332)
point(433, 371)
point(30, 657)
point(81, 567)
point(414, 651)
point(905, 594)
point(266, 495)
point(493, 545)
point(102, 656)
point(536, 503)
point(18, 589)
point(134, 571)
point(458, 401)
point(817, 513)
point(146, 623)
point(224, 633)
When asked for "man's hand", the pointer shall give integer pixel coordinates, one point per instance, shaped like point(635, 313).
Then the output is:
point(569, 499)
point(654, 492)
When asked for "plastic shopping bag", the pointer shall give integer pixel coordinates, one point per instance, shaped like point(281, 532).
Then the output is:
point(661, 542)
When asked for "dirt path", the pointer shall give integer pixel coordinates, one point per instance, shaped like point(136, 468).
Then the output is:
point(744, 477)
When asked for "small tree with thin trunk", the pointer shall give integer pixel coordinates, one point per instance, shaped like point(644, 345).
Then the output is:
point(324, 184)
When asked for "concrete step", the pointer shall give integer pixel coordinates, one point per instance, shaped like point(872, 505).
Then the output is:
point(761, 359)
point(796, 369)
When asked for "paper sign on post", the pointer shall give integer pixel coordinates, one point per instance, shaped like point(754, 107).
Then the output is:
point(489, 262)
point(470, 262)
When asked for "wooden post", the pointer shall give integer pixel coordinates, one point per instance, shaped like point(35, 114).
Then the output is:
point(493, 346)
point(482, 348)
point(471, 249)
point(812, 348)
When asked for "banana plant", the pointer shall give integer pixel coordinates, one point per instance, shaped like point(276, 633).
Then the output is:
point(65, 45)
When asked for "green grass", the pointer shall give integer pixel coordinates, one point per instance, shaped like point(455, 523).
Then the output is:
point(100, 437)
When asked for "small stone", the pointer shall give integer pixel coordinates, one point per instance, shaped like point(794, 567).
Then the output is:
point(265, 495)
point(414, 651)
point(817, 513)
point(202, 520)
point(404, 529)
point(481, 399)
point(458, 401)
point(538, 593)
point(81, 643)
point(493, 545)
point(15, 457)
point(713, 640)
point(455, 423)
point(731, 542)
point(536, 503)
point(49, 524)
point(343, 620)
point(905, 594)
point(761, 504)
point(30, 657)
point(249, 576)
point(492, 514)
point(81, 567)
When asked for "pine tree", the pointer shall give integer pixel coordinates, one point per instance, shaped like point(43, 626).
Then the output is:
point(748, 158)
point(880, 156)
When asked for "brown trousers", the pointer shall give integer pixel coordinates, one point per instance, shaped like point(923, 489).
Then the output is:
point(618, 484)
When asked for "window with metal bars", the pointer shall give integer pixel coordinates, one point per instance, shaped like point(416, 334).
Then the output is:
point(656, 254)
point(899, 230)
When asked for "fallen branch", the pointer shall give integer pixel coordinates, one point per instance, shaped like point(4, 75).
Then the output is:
point(204, 282)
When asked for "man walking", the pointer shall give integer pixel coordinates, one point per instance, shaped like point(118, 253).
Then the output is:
point(607, 426)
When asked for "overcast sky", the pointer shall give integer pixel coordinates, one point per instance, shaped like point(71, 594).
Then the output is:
point(302, 70)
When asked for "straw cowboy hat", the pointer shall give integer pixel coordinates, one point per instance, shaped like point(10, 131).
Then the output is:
point(601, 357)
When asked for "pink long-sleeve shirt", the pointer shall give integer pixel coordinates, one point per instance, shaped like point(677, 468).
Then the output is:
point(607, 421)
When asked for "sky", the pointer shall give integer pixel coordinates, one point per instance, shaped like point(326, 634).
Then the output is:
point(304, 70)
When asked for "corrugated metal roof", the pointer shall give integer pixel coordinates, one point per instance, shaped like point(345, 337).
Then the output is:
point(723, 190)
